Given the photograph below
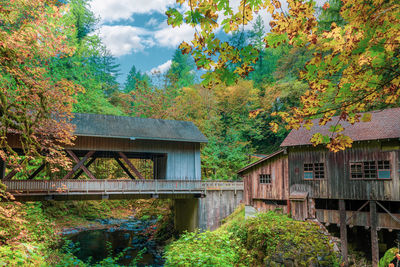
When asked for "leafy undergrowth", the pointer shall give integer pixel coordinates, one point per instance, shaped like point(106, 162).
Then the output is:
point(269, 239)
point(390, 254)
point(28, 231)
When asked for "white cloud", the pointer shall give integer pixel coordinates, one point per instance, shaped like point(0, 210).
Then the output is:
point(115, 10)
point(122, 40)
point(152, 22)
point(172, 37)
point(162, 68)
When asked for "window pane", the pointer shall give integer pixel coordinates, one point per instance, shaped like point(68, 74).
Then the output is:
point(319, 170)
point(383, 165)
point(265, 178)
point(308, 175)
point(308, 167)
point(369, 169)
point(356, 170)
point(383, 174)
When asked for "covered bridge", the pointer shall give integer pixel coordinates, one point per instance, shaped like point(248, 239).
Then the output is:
point(172, 146)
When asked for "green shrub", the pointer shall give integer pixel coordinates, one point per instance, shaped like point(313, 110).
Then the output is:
point(276, 240)
point(204, 249)
point(388, 257)
point(269, 239)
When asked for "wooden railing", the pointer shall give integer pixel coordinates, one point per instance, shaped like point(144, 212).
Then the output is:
point(43, 187)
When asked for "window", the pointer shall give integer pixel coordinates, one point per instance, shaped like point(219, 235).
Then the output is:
point(314, 171)
point(370, 170)
point(265, 178)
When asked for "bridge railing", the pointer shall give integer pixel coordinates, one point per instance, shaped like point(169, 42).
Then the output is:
point(27, 187)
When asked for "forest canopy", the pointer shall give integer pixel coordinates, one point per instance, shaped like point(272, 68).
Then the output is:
point(309, 62)
point(354, 45)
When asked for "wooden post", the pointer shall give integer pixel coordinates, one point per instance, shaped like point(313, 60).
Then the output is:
point(2, 169)
point(79, 164)
point(343, 230)
point(86, 165)
point(130, 165)
point(33, 175)
point(124, 168)
point(373, 218)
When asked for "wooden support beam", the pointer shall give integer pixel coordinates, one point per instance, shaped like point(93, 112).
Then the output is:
point(343, 231)
point(11, 174)
point(124, 168)
point(2, 169)
point(373, 218)
point(38, 170)
point(86, 165)
point(130, 165)
point(79, 164)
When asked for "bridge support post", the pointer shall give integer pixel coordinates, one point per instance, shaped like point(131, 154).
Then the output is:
point(2, 169)
point(186, 214)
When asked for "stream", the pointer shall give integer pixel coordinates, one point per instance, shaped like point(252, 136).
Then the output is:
point(126, 236)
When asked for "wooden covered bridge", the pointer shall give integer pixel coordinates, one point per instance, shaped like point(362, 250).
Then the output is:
point(172, 147)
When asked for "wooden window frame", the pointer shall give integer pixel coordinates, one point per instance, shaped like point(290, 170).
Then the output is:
point(379, 165)
point(265, 180)
point(314, 169)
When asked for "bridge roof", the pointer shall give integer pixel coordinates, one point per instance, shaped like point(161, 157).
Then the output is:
point(98, 125)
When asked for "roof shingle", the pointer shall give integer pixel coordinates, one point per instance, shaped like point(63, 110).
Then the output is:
point(98, 125)
point(384, 124)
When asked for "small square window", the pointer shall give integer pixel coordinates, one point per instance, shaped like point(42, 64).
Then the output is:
point(314, 171)
point(265, 178)
point(370, 169)
point(356, 170)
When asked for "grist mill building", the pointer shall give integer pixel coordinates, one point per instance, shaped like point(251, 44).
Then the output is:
point(356, 187)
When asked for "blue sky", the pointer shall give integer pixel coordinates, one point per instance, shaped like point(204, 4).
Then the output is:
point(136, 32)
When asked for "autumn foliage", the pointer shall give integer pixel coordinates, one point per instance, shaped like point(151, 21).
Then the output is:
point(34, 106)
point(354, 67)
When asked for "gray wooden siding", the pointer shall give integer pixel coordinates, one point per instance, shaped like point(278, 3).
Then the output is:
point(337, 183)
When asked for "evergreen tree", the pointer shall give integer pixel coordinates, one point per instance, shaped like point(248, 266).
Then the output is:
point(136, 79)
point(182, 72)
point(91, 66)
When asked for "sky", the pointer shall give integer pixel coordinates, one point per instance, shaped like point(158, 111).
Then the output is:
point(136, 32)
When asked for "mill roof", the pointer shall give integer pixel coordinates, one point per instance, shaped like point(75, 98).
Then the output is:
point(98, 125)
point(384, 124)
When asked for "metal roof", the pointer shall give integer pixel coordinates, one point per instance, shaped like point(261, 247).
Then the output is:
point(384, 124)
point(270, 156)
point(98, 125)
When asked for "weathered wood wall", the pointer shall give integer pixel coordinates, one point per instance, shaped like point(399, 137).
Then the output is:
point(261, 206)
point(277, 167)
point(337, 183)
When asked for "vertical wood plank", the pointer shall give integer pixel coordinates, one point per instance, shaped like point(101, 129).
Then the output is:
point(2, 169)
point(374, 233)
point(343, 231)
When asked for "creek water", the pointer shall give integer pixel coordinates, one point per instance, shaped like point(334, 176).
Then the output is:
point(126, 236)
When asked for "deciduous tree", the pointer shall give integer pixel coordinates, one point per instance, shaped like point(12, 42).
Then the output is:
point(355, 63)
point(34, 106)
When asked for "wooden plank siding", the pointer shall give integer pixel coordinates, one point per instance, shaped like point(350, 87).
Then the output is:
point(337, 183)
point(360, 218)
point(277, 167)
